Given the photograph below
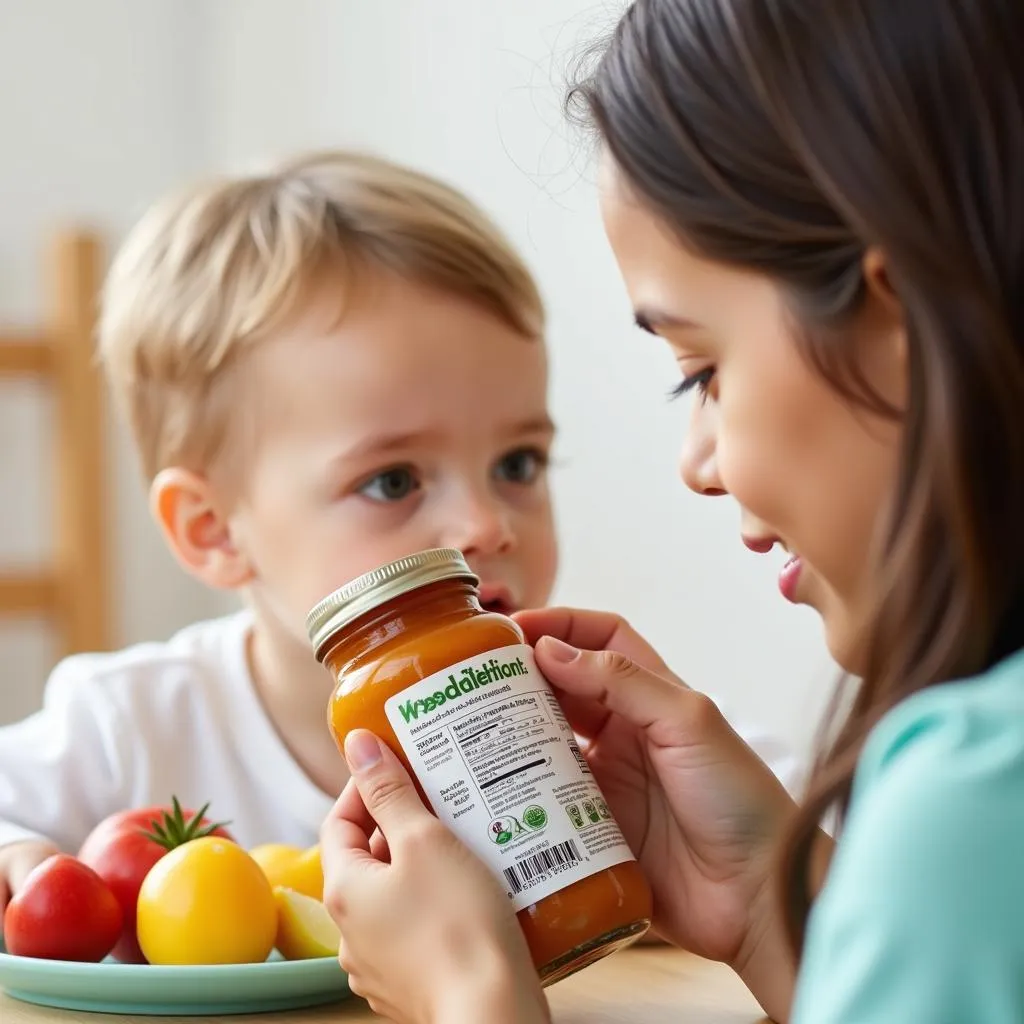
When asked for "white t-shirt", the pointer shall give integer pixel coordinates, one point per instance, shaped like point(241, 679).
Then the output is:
point(156, 720)
point(179, 718)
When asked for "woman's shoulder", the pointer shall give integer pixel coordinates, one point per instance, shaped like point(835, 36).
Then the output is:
point(942, 775)
point(935, 818)
point(920, 915)
point(973, 726)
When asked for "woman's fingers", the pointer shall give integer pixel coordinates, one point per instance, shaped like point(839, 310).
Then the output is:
point(649, 702)
point(372, 813)
point(591, 631)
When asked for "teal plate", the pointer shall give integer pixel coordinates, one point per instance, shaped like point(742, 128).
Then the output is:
point(110, 987)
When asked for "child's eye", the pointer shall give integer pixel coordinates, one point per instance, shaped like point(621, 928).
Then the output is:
point(701, 381)
point(391, 485)
point(522, 466)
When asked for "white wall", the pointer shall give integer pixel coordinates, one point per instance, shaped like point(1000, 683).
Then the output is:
point(99, 109)
point(114, 99)
point(473, 91)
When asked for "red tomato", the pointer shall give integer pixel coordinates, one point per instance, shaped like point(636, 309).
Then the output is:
point(123, 847)
point(63, 911)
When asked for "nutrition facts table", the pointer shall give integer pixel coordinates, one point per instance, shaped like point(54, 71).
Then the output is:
point(504, 745)
point(483, 739)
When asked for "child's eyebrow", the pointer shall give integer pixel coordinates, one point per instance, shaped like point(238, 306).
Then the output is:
point(534, 425)
point(381, 444)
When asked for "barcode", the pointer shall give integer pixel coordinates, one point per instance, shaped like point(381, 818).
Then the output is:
point(578, 754)
point(525, 872)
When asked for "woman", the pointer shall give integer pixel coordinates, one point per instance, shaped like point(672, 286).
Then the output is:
point(818, 206)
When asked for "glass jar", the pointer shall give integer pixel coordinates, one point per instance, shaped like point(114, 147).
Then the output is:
point(455, 692)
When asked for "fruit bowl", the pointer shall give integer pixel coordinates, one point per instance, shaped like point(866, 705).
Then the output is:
point(111, 987)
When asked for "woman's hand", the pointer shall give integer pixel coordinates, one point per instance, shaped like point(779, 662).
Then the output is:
point(697, 806)
point(428, 935)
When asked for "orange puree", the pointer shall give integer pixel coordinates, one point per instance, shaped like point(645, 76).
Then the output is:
point(493, 756)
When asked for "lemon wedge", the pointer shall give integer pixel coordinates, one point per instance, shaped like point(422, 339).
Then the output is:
point(305, 930)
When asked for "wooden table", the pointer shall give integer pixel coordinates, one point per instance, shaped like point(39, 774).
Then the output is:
point(647, 985)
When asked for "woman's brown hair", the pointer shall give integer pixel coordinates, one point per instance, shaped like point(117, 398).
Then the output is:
point(789, 137)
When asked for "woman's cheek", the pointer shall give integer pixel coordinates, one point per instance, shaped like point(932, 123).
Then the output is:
point(759, 485)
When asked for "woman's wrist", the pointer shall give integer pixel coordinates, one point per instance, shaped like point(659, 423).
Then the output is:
point(766, 963)
point(500, 990)
point(502, 1002)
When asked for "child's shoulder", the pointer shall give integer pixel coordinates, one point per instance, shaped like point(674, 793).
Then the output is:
point(205, 655)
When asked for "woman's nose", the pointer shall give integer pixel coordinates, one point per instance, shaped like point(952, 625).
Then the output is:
point(698, 461)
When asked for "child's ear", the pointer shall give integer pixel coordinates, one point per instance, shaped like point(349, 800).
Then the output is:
point(196, 529)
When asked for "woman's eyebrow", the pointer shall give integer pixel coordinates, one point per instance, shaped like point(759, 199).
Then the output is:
point(651, 320)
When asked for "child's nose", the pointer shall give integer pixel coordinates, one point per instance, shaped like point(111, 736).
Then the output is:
point(481, 527)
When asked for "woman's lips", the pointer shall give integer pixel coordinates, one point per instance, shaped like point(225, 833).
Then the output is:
point(789, 578)
point(760, 545)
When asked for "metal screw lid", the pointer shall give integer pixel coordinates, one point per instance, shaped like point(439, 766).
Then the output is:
point(372, 589)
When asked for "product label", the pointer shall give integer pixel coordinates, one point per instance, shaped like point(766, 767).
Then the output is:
point(501, 767)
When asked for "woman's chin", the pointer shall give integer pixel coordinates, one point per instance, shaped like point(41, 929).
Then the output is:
point(843, 640)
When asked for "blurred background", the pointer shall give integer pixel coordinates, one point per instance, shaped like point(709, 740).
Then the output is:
point(105, 104)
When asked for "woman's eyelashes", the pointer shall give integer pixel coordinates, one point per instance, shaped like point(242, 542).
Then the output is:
point(700, 382)
point(392, 485)
point(522, 466)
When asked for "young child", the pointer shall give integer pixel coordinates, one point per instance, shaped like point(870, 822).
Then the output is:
point(324, 368)
point(818, 207)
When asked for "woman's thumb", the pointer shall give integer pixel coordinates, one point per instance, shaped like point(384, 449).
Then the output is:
point(383, 783)
point(611, 679)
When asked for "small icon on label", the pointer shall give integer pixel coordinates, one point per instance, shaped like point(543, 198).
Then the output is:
point(588, 806)
point(602, 809)
point(503, 829)
point(574, 814)
point(535, 817)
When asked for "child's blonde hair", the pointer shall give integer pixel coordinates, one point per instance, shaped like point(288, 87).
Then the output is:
point(208, 272)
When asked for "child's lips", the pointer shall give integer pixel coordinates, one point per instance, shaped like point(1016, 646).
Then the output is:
point(495, 597)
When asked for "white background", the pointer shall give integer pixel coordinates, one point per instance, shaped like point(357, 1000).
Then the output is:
point(104, 104)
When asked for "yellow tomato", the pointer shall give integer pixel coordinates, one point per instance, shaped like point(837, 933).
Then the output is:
point(206, 902)
point(290, 867)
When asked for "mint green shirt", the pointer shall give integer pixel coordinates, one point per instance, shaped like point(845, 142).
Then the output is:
point(921, 920)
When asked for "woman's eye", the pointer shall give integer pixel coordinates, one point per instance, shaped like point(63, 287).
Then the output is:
point(701, 381)
point(522, 466)
point(392, 485)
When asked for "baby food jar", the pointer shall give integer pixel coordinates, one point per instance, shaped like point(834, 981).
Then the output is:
point(455, 692)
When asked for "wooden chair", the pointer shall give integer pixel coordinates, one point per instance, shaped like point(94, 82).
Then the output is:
point(73, 592)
